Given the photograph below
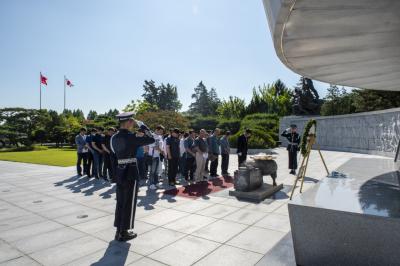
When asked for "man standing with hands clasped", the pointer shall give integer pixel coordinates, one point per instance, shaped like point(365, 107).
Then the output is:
point(98, 152)
point(293, 146)
point(201, 148)
point(242, 146)
point(124, 145)
point(80, 141)
point(173, 154)
point(190, 155)
point(225, 150)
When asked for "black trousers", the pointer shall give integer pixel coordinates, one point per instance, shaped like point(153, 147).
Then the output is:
point(292, 158)
point(224, 163)
point(127, 188)
point(107, 166)
point(190, 168)
point(82, 157)
point(242, 158)
point(172, 169)
point(142, 168)
point(89, 164)
point(214, 166)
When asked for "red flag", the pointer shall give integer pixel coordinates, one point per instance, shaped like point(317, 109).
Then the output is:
point(43, 79)
point(69, 83)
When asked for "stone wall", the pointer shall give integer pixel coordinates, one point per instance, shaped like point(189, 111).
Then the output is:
point(370, 132)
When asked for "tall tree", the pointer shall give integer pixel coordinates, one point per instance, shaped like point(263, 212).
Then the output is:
point(168, 98)
point(372, 100)
point(140, 107)
point(92, 115)
point(205, 102)
point(214, 100)
point(19, 124)
point(112, 113)
point(337, 101)
point(234, 107)
point(78, 113)
point(274, 99)
point(151, 92)
point(67, 112)
point(165, 96)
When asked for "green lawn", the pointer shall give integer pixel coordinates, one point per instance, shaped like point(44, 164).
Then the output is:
point(56, 157)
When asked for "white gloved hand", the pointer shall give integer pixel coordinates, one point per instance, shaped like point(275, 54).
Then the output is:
point(239, 153)
point(142, 125)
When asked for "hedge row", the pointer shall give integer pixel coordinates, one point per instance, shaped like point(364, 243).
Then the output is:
point(264, 126)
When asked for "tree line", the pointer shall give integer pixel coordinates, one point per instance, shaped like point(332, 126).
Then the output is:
point(160, 104)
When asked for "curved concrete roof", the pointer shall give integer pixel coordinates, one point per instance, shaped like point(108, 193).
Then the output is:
point(353, 43)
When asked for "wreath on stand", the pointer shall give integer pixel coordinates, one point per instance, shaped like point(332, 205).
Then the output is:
point(304, 138)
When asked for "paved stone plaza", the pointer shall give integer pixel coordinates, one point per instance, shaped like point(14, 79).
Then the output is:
point(49, 216)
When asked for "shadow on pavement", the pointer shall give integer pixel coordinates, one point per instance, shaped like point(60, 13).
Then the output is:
point(87, 186)
point(115, 254)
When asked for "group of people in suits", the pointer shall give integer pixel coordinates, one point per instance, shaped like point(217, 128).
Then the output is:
point(202, 149)
point(123, 147)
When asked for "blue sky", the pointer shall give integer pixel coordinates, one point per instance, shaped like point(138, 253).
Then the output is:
point(108, 48)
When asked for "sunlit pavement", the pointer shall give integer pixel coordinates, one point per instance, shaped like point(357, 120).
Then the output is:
point(49, 216)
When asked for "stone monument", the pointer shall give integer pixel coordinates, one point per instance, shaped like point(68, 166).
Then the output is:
point(248, 180)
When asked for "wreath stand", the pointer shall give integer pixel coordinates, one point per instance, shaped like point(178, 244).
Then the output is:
point(311, 140)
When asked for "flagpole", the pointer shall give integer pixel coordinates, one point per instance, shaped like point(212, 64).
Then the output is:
point(40, 90)
point(64, 93)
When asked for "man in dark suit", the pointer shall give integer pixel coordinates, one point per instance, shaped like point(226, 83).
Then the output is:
point(108, 170)
point(242, 146)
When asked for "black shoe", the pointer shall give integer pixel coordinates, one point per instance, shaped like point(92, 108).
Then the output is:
point(274, 184)
point(126, 236)
point(292, 172)
point(79, 174)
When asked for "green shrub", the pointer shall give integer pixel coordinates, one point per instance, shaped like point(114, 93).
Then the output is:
point(233, 125)
point(208, 123)
point(270, 122)
point(265, 131)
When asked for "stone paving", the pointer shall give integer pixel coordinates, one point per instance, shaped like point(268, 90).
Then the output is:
point(49, 216)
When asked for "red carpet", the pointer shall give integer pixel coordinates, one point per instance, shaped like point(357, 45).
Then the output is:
point(202, 188)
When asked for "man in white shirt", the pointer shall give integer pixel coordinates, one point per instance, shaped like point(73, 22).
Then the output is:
point(155, 150)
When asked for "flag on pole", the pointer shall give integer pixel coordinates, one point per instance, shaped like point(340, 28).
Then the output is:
point(43, 79)
point(68, 82)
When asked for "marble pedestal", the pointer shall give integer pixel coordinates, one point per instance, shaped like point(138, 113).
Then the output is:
point(258, 194)
point(349, 221)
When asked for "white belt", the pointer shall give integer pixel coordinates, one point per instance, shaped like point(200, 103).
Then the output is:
point(126, 161)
